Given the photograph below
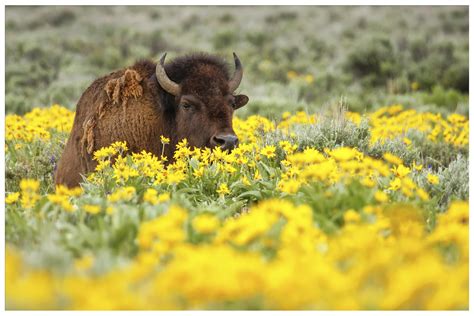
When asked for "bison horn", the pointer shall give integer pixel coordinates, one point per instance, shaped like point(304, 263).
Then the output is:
point(165, 82)
point(235, 81)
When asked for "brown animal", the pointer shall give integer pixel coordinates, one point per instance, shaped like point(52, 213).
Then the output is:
point(192, 97)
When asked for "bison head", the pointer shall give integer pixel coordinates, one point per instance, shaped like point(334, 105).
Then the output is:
point(202, 99)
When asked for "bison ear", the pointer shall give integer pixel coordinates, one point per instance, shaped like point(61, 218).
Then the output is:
point(240, 100)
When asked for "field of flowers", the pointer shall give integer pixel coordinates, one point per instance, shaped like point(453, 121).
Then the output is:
point(311, 211)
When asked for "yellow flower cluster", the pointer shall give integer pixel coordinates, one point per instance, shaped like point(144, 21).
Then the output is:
point(341, 164)
point(122, 194)
point(29, 193)
point(38, 123)
point(164, 232)
point(292, 75)
point(274, 257)
point(148, 166)
point(392, 121)
point(453, 228)
point(12, 197)
point(26, 288)
point(151, 196)
point(348, 164)
point(251, 128)
point(277, 253)
point(386, 123)
point(62, 197)
point(299, 118)
point(205, 223)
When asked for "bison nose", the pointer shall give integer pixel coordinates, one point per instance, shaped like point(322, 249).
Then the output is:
point(228, 141)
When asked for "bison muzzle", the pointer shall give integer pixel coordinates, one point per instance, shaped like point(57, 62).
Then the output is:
point(192, 97)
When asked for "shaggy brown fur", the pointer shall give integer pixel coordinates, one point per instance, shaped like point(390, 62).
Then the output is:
point(130, 105)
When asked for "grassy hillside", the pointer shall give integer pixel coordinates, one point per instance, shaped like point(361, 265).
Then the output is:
point(304, 58)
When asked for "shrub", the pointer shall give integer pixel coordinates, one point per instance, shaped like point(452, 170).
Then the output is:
point(372, 60)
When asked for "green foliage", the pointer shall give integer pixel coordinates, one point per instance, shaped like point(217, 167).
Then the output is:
point(35, 160)
point(454, 182)
point(329, 206)
point(441, 97)
point(225, 39)
point(372, 61)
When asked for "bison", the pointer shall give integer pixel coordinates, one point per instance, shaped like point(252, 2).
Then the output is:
point(192, 97)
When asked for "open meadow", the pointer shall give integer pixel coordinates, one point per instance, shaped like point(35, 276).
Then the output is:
point(348, 189)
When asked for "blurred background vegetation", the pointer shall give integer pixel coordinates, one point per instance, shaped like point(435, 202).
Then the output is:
point(295, 58)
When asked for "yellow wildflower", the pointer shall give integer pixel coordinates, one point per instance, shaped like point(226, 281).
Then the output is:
point(29, 192)
point(151, 196)
point(291, 74)
point(381, 197)
point(122, 194)
point(245, 180)
point(401, 171)
point(92, 209)
point(343, 153)
point(223, 189)
point(198, 173)
point(432, 178)
point(104, 152)
point(12, 197)
point(205, 223)
point(268, 151)
point(392, 159)
point(395, 184)
point(164, 140)
point(368, 182)
point(351, 216)
point(287, 146)
point(163, 197)
point(422, 194)
point(29, 185)
point(120, 146)
point(309, 78)
point(416, 167)
point(290, 186)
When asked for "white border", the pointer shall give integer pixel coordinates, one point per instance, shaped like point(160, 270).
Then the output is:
point(2, 164)
point(246, 2)
point(215, 2)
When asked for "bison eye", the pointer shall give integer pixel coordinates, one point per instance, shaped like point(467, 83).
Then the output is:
point(186, 106)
